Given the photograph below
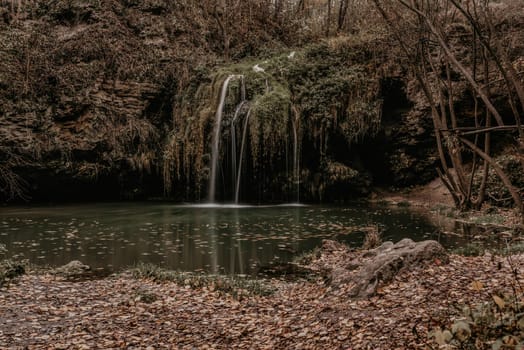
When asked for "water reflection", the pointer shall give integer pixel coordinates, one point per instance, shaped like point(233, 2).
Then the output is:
point(218, 239)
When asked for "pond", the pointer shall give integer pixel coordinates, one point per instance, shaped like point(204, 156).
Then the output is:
point(217, 239)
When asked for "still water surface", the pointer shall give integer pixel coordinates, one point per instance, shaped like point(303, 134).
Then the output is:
point(228, 239)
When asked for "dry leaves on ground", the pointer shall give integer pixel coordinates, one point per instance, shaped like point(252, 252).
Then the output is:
point(42, 311)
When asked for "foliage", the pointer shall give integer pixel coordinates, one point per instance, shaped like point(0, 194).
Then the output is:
point(93, 81)
point(307, 257)
point(235, 286)
point(498, 322)
point(308, 314)
point(455, 52)
point(470, 249)
point(497, 194)
point(404, 204)
point(9, 269)
point(308, 94)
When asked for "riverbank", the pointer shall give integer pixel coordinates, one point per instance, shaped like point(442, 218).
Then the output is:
point(434, 199)
point(44, 311)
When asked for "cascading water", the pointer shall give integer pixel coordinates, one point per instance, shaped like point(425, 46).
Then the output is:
point(296, 161)
point(216, 139)
point(241, 157)
point(236, 162)
point(238, 112)
point(215, 150)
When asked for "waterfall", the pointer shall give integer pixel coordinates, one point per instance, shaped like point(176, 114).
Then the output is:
point(241, 157)
point(215, 150)
point(216, 138)
point(237, 159)
point(234, 143)
point(237, 114)
point(296, 162)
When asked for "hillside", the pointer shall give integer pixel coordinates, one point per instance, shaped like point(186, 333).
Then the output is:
point(118, 100)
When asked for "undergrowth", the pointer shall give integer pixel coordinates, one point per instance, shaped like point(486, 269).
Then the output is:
point(238, 287)
point(307, 257)
point(496, 323)
point(9, 269)
point(491, 324)
point(373, 238)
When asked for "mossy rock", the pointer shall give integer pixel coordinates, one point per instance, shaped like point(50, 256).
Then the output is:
point(10, 269)
point(73, 269)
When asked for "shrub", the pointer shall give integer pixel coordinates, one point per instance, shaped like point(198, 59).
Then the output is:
point(373, 238)
point(497, 324)
point(9, 269)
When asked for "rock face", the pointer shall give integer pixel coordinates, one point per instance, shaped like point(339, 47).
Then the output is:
point(105, 99)
point(116, 100)
point(369, 269)
point(73, 269)
point(89, 91)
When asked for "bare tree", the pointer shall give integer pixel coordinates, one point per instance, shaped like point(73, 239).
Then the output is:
point(342, 13)
point(424, 31)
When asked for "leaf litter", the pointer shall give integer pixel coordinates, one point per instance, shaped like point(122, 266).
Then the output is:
point(41, 311)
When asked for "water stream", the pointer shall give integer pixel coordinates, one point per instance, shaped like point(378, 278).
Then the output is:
point(216, 138)
point(235, 164)
point(234, 143)
point(215, 238)
point(296, 160)
point(241, 157)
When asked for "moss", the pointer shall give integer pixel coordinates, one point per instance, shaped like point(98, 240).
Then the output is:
point(338, 173)
point(487, 219)
point(269, 122)
point(320, 90)
point(9, 269)
point(470, 249)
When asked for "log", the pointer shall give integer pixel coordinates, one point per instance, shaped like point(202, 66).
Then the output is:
point(367, 270)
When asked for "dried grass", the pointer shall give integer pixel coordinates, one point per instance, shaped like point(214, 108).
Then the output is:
point(373, 238)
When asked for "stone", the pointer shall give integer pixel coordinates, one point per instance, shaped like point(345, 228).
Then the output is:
point(73, 269)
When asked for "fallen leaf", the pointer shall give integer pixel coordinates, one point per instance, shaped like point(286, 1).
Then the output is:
point(477, 286)
point(499, 301)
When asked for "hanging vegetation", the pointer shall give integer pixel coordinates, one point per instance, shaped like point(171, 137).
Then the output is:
point(332, 91)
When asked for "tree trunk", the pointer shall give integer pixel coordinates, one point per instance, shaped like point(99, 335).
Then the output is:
point(455, 62)
point(328, 19)
point(342, 12)
point(505, 180)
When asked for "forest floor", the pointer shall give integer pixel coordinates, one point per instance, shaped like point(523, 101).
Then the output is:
point(42, 311)
point(423, 196)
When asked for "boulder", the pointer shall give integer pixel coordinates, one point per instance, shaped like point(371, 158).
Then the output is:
point(73, 269)
point(366, 270)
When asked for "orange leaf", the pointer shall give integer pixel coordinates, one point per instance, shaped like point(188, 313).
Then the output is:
point(499, 301)
point(477, 285)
